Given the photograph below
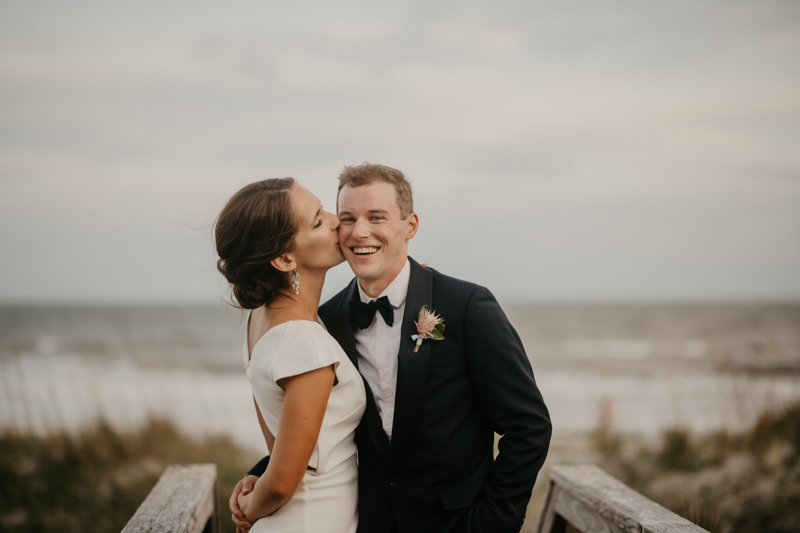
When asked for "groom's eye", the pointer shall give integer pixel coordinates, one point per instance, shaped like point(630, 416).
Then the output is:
point(347, 220)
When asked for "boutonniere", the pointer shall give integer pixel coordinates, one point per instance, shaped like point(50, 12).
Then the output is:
point(429, 326)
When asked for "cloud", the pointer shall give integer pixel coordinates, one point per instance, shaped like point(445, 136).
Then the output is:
point(616, 151)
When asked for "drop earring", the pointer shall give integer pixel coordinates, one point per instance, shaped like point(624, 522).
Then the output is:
point(295, 282)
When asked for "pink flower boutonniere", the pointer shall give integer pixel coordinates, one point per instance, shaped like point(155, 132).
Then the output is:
point(429, 326)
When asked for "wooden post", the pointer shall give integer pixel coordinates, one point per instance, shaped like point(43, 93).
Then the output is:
point(183, 501)
point(584, 498)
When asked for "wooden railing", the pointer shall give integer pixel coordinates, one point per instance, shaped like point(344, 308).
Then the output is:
point(580, 498)
point(183, 501)
point(584, 498)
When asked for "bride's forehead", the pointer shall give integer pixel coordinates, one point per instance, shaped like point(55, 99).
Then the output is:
point(304, 202)
point(303, 196)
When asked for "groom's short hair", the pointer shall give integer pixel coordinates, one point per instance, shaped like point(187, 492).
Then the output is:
point(366, 173)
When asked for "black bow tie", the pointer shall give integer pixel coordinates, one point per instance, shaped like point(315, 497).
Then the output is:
point(364, 313)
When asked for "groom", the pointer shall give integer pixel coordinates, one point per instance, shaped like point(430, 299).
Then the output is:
point(425, 442)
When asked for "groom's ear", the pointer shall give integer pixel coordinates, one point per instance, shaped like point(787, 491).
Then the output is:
point(412, 222)
point(283, 263)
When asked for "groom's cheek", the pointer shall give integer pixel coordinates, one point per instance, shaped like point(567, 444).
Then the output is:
point(344, 233)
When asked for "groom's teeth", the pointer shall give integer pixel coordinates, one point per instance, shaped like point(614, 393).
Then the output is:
point(363, 251)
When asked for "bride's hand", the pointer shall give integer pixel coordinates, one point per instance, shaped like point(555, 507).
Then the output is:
point(245, 486)
point(244, 500)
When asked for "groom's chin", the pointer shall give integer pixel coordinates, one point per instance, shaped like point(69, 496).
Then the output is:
point(360, 268)
point(352, 264)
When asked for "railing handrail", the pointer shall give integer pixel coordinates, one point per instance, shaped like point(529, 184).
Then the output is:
point(183, 501)
point(591, 500)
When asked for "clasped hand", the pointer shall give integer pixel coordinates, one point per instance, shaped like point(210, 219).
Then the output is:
point(239, 502)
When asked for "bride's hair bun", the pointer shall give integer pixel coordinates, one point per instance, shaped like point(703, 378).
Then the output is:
point(255, 227)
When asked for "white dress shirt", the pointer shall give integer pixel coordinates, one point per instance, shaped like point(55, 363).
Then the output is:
point(379, 345)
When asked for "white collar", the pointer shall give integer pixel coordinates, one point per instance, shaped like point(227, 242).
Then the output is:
point(396, 291)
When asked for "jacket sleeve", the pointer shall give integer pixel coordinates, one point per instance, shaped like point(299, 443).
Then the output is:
point(259, 468)
point(509, 397)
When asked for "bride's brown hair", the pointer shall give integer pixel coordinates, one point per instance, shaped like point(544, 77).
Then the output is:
point(255, 227)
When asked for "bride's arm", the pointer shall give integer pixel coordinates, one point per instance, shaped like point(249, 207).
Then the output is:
point(301, 419)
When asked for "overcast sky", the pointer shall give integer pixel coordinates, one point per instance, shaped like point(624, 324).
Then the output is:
point(559, 151)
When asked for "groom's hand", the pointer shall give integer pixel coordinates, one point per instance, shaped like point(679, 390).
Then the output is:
point(245, 486)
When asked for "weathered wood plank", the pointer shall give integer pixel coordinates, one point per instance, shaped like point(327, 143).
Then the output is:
point(548, 514)
point(182, 501)
point(587, 494)
point(582, 516)
point(672, 528)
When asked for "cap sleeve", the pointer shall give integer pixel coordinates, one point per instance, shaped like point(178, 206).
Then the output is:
point(305, 347)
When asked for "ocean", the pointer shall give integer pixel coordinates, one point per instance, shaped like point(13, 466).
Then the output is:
point(637, 369)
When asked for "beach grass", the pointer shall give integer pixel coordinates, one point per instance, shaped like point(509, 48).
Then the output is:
point(725, 482)
point(95, 480)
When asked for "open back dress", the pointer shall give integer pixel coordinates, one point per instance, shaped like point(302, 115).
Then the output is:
point(327, 498)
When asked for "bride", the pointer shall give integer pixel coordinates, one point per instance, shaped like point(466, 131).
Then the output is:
point(275, 244)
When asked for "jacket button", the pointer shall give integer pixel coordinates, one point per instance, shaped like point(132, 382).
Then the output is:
point(394, 481)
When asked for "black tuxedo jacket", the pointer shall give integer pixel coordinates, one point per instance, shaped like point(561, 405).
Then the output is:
point(439, 474)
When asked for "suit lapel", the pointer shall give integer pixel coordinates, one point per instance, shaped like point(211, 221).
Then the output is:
point(343, 333)
point(412, 368)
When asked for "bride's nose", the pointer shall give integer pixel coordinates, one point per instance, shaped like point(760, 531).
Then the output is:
point(335, 222)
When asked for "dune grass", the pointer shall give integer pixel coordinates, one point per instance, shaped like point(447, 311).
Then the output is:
point(94, 481)
point(725, 482)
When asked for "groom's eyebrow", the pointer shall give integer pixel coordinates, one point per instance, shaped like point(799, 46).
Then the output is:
point(370, 212)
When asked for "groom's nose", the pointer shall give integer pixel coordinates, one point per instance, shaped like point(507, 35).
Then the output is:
point(360, 229)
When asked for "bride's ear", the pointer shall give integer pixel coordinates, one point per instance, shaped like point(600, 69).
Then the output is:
point(284, 263)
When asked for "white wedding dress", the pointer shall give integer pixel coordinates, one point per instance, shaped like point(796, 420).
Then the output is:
point(327, 498)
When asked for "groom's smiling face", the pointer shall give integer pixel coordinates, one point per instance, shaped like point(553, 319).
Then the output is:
point(373, 235)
